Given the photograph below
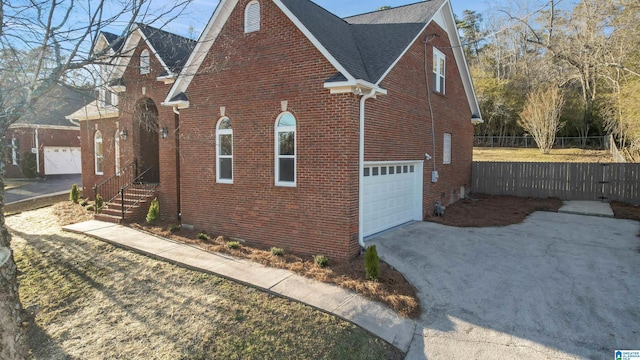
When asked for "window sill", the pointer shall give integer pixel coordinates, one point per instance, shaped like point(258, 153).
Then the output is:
point(440, 93)
point(223, 181)
point(286, 184)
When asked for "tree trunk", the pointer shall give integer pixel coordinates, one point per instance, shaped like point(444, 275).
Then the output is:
point(13, 340)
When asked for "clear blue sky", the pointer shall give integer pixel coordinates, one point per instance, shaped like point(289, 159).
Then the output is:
point(199, 12)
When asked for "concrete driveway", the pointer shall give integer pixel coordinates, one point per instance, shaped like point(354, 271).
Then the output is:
point(22, 189)
point(556, 286)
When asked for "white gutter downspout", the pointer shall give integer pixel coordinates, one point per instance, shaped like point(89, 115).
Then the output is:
point(361, 168)
point(37, 152)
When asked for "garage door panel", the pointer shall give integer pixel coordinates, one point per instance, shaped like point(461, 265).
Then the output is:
point(62, 160)
point(392, 197)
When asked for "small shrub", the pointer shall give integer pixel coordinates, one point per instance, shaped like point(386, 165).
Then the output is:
point(174, 228)
point(99, 203)
point(28, 165)
point(372, 263)
point(203, 236)
point(321, 260)
point(233, 244)
point(90, 208)
point(84, 203)
point(276, 251)
point(74, 194)
point(154, 211)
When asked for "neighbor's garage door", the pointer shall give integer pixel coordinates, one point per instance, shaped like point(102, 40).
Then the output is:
point(392, 195)
point(62, 160)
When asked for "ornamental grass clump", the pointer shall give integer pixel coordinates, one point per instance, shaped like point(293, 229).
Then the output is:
point(372, 263)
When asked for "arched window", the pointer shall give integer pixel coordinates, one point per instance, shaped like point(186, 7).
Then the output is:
point(116, 148)
point(98, 151)
point(285, 141)
point(252, 17)
point(145, 62)
point(224, 151)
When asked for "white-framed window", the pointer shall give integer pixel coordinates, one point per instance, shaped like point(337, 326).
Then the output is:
point(14, 151)
point(285, 141)
point(98, 152)
point(446, 150)
point(439, 68)
point(145, 62)
point(116, 148)
point(224, 151)
point(252, 17)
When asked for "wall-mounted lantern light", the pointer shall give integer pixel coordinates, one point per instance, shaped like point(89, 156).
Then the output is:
point(164, 132)
point(123, 134)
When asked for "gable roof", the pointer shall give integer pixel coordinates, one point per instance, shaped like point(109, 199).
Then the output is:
point(363, 48)
point(174, 50)
point(114, 39)
point(52, 108)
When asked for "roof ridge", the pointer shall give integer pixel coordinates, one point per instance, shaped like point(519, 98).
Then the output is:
point(152, 28)
point(384, 10)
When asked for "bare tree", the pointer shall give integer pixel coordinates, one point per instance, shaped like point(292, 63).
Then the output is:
point(44, 44)
point(541, 116)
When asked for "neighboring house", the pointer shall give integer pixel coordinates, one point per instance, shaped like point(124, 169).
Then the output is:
point(46, 133)
point(291, 127)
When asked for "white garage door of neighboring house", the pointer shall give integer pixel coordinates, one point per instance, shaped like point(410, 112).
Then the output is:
point(392, 195)
point(62, 160)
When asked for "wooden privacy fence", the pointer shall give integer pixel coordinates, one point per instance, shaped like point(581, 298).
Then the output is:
point(567, 181)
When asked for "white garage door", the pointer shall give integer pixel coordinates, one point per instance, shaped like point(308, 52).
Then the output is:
point(392, 195)
point(62, 160)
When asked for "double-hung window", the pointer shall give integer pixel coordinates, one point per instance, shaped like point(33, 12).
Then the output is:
point(439, 62)
point(224, 151)
point(285, 141)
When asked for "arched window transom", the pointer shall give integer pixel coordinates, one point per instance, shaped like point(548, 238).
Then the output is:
point(145, 62)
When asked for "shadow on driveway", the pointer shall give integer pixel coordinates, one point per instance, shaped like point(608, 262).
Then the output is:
point(555, 286)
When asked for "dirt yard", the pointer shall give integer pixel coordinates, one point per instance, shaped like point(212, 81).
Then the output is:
point(534, 155)
point(479, 210)
point(95, 301)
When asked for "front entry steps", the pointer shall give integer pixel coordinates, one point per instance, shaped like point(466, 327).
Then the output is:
point(137, 199)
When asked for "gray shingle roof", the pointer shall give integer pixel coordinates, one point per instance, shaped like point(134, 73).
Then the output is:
point(111, 38)
point(173, 49)
point(57, 103)
point(365, 45)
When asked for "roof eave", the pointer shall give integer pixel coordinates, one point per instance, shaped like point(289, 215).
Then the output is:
point(178, 104)
point(357, 87)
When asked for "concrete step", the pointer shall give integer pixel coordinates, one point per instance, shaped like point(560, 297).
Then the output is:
point(108, 218)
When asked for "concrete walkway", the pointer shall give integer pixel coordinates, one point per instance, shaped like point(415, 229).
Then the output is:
point(370, 315)
point(591, 208)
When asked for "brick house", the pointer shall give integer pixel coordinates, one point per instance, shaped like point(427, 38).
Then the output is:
point(45, 133)
point(291, 127)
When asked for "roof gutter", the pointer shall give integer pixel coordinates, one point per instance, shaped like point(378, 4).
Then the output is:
point(363, 99)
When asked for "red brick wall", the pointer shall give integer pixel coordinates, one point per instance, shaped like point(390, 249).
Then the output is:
point(398, 125)
point(26, 141)
point(130, 148)
point(250, 74)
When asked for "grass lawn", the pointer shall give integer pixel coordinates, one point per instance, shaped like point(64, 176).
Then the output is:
point(95, 301)
point(534, 155)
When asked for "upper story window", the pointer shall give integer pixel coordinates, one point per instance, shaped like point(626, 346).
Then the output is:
point(439, 61)
point(252, 17)
point(98, 152)
point(145, 62)
point(285, 142)
point(224, 151)
point(446, 151)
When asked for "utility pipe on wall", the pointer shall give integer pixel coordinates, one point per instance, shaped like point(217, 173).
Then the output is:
point(37, 152)
point(364, 98)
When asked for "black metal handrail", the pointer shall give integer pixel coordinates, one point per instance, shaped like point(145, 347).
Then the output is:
point(149, 187)
point(111, 187)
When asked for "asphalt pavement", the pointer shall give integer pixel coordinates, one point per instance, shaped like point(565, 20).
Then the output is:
point(21, 189)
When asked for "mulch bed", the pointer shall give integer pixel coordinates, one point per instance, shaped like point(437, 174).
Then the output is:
point(625, 211)
point(480, 210)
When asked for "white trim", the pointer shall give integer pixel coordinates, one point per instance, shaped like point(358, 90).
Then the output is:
point(399, 162)
point(252, 27)
point(220, 132)
point(200, 51)
point(277, 131)
point(357, 87)
point(180, 104)
point(51, 127)
point(95, 153)
point(314, 41)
